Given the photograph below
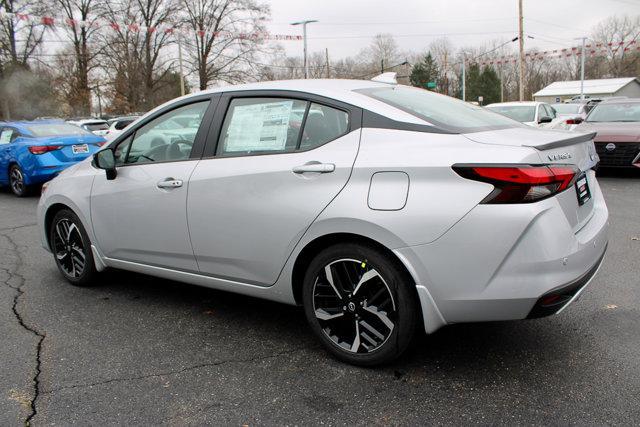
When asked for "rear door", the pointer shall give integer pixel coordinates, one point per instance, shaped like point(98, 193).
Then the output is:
point(276, 160)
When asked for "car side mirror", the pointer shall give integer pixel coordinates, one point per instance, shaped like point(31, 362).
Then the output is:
point(545, 119)
point(106, 159)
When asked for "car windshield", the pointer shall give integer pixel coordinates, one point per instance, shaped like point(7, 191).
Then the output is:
point(521, 113)
point(56, 129)
point(96, 126)
point(567, 108)
point(442, 111)
point(618, 112)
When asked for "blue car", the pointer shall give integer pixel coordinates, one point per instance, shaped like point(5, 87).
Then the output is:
point(34, 152)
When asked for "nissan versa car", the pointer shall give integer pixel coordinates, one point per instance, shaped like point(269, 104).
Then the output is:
point(379, 208)
point(33, 152)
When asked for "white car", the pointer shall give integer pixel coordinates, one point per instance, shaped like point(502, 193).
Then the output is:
point(379, 208)
point(96, 126)
point(531, 113)
point(117, 125)
point(570, 114)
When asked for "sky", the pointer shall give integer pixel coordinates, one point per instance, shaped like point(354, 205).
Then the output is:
point(347, 26)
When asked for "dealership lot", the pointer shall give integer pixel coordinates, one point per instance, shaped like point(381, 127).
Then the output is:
point(136, 349)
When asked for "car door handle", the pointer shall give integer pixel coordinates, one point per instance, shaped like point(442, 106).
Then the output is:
point(170, 183)
point(315, 167)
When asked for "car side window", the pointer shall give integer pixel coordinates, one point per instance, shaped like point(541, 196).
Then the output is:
point(261, 125)
point(552, 111)
point(169, 137)
point(323, 124)
point(6, 136)
point(122, 124)
point(122, 149)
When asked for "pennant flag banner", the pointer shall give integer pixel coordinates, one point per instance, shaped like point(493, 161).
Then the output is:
point(49, 21)
point(590, 50)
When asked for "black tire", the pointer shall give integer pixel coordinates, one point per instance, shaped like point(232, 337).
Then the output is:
point(69, 243)
point(16, 182)
point(383, 312)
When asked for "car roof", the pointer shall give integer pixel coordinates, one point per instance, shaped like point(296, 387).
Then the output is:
point(338, 89)
point(86, 121)
point(514, 103)
point(23, 125)
point(621, 101)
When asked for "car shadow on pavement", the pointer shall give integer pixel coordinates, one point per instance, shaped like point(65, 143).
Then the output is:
point(491, 345)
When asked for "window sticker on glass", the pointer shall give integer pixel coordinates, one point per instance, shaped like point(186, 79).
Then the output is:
point(259, 127)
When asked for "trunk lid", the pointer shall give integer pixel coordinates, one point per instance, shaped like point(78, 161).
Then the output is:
point(560, 148)
point(67, 153)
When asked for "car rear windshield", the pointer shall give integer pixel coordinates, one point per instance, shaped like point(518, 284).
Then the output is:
point(520, 113)
point(442, 111)
point(96, 126)
point(567, 108)
point(58, 129)
point(618, 112)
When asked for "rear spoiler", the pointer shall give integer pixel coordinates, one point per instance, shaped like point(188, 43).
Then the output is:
point(565, 142)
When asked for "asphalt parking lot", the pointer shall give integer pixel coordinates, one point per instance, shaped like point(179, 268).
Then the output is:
point(140, 350)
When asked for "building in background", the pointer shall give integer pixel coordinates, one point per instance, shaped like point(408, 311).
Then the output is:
point(599, 88)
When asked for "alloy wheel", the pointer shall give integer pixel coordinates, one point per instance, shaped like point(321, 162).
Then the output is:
point(354, 305)
point(69, 248)
point(17, 180)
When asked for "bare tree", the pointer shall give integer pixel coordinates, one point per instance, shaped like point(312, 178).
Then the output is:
point(82, 17)
point(382, 54)
point(133, 48)
point(19, 40)
point(225, 38)
point(620, 36)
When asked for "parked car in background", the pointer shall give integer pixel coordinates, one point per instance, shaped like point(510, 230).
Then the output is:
point(96, 126)
point(34, 152)
point(117, 125)
point(570, 114)
point(617, 123)
point(531, 113)
point(379, 208)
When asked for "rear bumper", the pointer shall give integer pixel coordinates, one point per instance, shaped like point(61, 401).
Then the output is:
point(555, 301)
point(496, 263)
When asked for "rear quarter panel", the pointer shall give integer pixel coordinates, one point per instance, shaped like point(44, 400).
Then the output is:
point(437, 196)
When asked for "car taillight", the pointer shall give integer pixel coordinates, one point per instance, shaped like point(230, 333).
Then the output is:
point(573, 121)
point(41, 149)
point(521, 184)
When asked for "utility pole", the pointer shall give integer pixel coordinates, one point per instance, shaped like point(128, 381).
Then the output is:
point(521, 41)
point(304, 36)
point(180, 64)
point(382, 66)
point(326, 56)
point(501, 85)
point(464, 79)
point(582, 55)
point(445, 90)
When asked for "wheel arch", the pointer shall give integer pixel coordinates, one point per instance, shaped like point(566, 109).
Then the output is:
point(306, 255)
point(48, 218)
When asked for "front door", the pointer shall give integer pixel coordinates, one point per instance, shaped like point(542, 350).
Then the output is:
point(278, 163)
point(140, 216)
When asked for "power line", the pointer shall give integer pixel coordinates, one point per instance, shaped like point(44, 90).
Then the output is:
point(412, 35)
point(324, 23)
